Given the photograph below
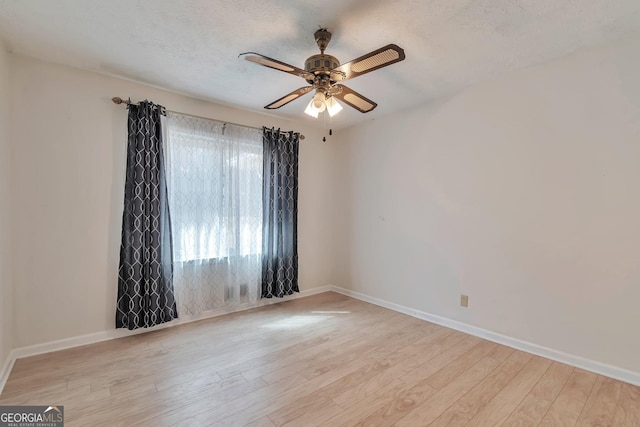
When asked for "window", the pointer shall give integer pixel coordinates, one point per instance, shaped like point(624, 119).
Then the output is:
point(215, 188)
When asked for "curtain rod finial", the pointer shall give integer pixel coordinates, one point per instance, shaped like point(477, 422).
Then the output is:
point(117, 100)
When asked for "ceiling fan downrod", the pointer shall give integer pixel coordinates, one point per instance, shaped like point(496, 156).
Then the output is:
point(323, 37)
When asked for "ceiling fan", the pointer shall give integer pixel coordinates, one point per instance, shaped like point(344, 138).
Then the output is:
point(324, 75)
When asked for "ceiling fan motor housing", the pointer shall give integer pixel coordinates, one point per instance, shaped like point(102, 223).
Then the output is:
point(321, 64)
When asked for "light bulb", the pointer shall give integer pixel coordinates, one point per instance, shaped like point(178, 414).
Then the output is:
point(310, 110)
point(333, 106)
point(318, 101)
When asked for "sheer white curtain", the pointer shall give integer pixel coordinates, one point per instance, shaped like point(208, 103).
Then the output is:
point(215, 199)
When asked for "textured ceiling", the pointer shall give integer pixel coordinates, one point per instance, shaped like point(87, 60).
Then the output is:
point(192, 46)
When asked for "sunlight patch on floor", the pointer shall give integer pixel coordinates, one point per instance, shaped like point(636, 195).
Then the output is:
point(296, 322)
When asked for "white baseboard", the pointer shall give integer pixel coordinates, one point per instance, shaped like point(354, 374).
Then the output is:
point(6, 369)
point(65, 343)
point(559, 356)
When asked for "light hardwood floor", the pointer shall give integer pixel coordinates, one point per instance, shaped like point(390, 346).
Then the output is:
point(323, 360)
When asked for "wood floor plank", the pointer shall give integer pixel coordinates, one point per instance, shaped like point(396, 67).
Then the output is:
point(553, 381)
point(402, 403)
point(628, 408)
point(349, 396)
point(529, 412)
point(500, 407)
point(433, 365)
point(318, 416)
point(305, 409)
point(554, 418)
point(367, 406)
point(458, 366)
point(262, 422)
point(442, 388)
point(475, 399)
point(535, 405)
point(322, 360)
point(572, 398)
point(448, 393)
point(601, 406)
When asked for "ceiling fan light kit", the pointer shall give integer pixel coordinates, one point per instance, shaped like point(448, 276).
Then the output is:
point(321, 103)
point(323, 75)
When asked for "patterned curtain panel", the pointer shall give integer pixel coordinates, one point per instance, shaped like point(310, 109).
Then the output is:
point(280, 213)
point(214, 178)
point(145, 290)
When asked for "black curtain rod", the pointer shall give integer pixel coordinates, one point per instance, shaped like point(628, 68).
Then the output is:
point(118, 100)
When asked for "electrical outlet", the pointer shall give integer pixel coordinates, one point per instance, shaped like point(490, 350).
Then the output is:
point(464, 300)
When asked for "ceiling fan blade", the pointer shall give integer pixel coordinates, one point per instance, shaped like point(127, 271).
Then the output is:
point(354, 99)
point(379, 58)
point(277, 65)
point(289, 97)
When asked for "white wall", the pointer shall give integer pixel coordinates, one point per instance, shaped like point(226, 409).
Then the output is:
point(69, 155)
point(523, 193)
point(6, 284)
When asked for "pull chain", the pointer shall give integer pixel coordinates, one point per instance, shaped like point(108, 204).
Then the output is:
point(324, 126)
